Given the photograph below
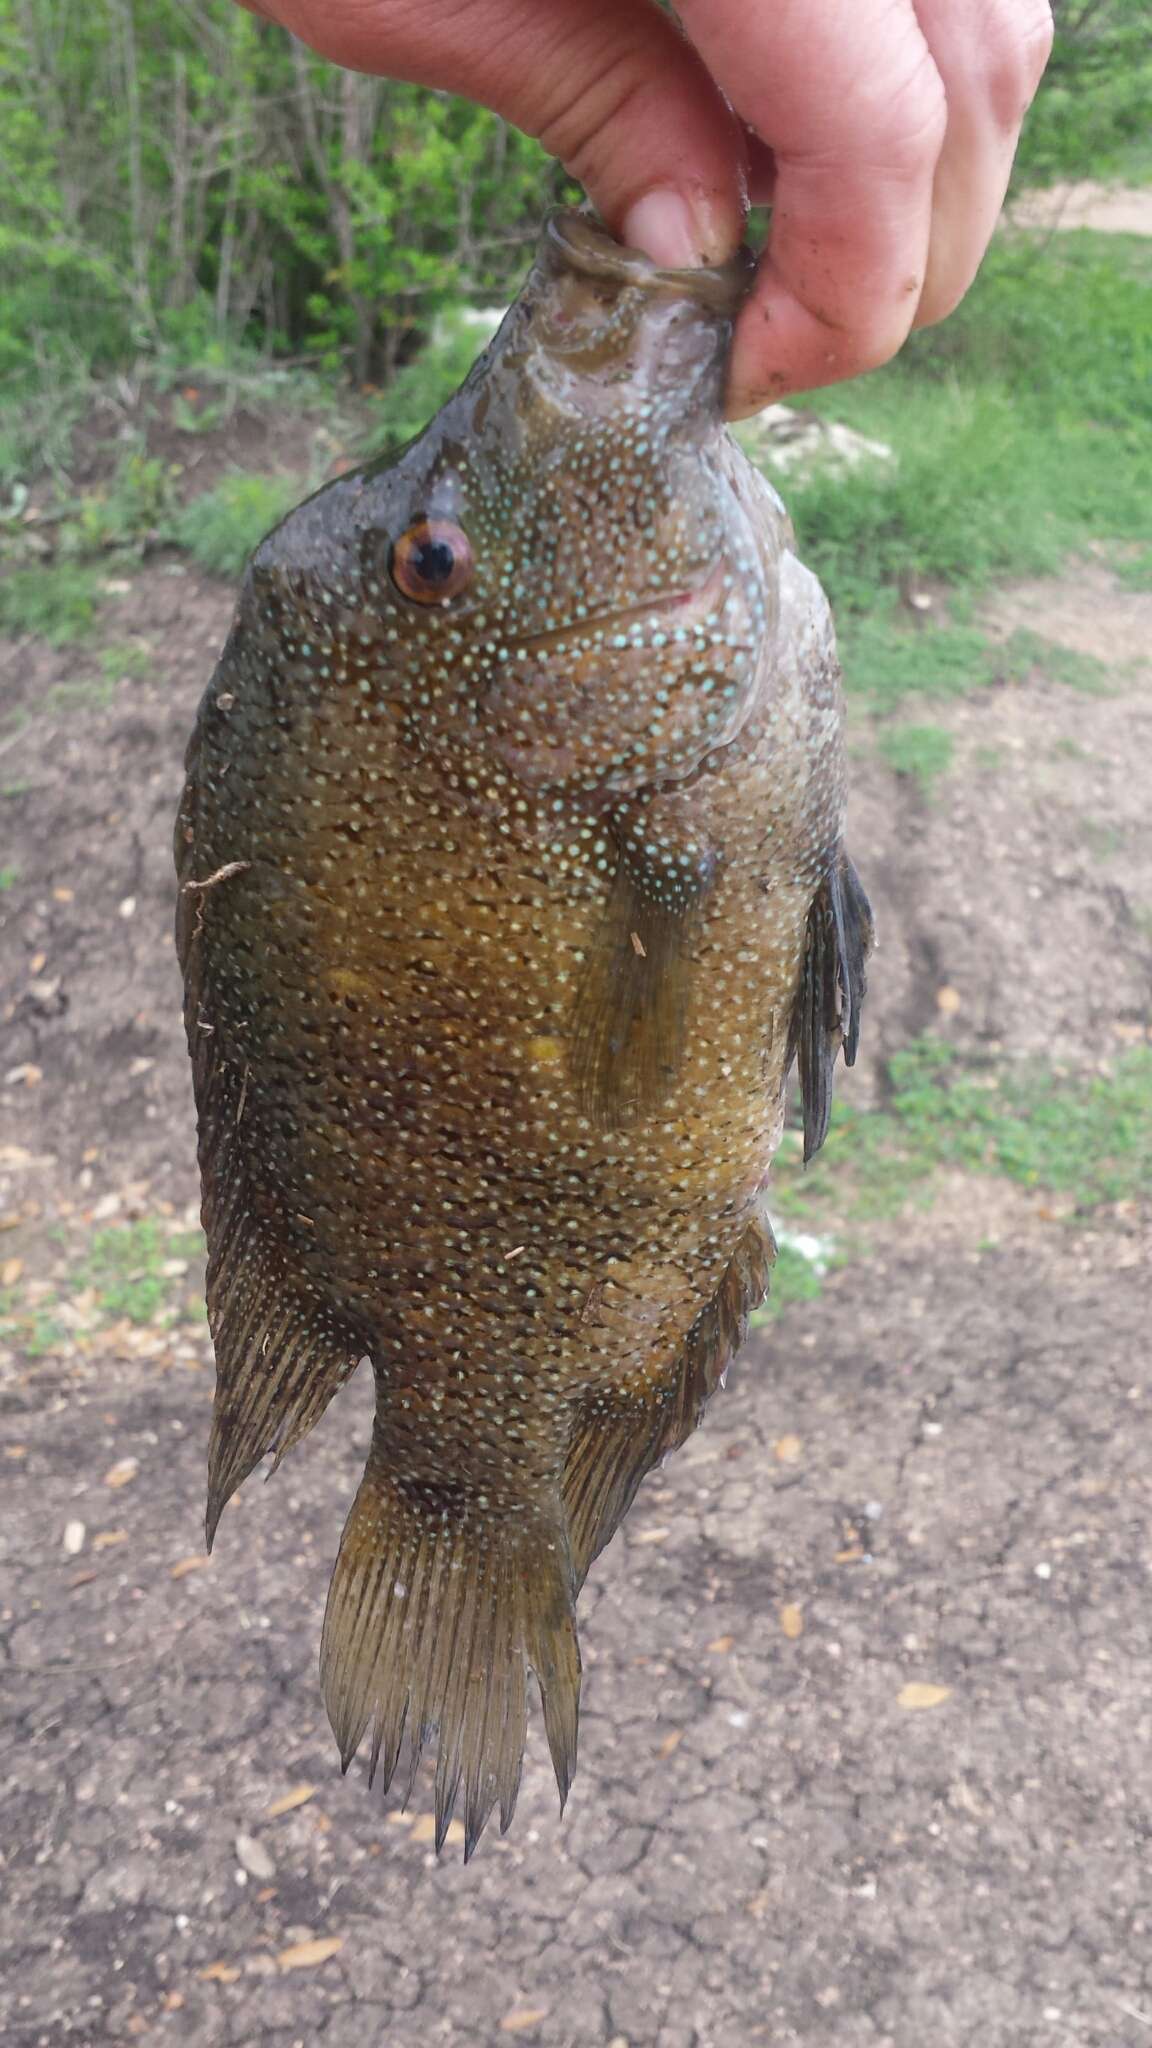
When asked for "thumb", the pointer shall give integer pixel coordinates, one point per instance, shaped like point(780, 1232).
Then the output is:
point(610, 87)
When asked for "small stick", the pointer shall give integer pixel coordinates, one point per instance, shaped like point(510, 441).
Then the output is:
point(224, 874)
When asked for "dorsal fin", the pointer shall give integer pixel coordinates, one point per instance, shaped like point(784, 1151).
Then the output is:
point(280, 1353)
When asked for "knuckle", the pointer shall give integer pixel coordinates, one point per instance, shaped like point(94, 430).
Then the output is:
point(917, 121)
point(1017, 48)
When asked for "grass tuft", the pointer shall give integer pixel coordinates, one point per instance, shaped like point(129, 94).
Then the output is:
point(221, 528)
point(55, 601)
point(921, 752)
point(1088, 1136)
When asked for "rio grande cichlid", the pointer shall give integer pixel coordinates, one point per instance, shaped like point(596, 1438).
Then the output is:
point(512, 884)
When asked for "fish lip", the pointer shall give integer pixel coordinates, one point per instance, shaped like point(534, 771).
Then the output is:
point(685, 605)
point(578, 241)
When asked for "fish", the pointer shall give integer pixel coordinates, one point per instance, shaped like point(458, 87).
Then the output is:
point(512, 886)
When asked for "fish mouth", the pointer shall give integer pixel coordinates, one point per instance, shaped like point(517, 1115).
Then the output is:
point(680, 608)
point(577, 241)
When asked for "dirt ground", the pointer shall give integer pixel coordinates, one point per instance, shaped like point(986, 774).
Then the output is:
point(865, 1750)
point(1083, 203)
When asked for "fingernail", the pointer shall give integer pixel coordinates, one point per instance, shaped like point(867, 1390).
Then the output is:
point(662, 225)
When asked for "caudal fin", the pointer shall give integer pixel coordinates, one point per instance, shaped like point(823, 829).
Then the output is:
point(433, 1619)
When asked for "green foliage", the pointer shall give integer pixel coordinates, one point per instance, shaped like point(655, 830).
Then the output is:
point(1022, 428)
point(795, 1277)
point(1090, 118)
point(1085, 1135)
point(56, 601)
point(1136, 570)
point(132, 508)
point(222, 526)
point(1025, 652)
point(177, 176)
point(921, 752)
point(127, 1268)
point(9, 876)
point(431, 376)
point(889, 656)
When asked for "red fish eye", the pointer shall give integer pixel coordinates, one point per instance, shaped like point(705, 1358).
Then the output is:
point(431, 561)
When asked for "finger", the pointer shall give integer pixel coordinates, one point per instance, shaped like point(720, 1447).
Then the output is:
point(848, 99)
point(610, 87)
point(990, 60)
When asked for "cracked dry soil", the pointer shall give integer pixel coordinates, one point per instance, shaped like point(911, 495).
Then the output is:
point(865, 1751)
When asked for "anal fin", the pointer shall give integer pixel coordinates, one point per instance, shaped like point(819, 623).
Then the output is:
point(621, 1431)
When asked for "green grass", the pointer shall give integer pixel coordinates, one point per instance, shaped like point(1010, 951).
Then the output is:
point(1022, 429)
point(125, 1268)
point(795, 1277)
point(921, 752)
point(421, 387)
point(54, 601)
point(123, 1273)
point(220, 528)
point(123, 659)
point(1086, 1136)
point(889, 656)
point(9, 876)
point(1136, 570)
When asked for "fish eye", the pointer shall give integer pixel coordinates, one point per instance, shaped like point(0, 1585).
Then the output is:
point(431, 561)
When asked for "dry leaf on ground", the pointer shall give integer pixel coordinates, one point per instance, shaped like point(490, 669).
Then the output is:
point(792, 1621)
point(787, 1449)
point(918, 1695)
point(523, 2016)
point(123, 1472)
point(196, 1563)
point(303, 1955)
point(288, 1801)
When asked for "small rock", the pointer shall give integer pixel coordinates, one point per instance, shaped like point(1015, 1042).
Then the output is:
point(254, 1857)
point(74, 1534)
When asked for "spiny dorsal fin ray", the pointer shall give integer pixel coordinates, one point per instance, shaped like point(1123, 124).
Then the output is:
point(622, 1432)
point(833, 984)
point(432, 1621)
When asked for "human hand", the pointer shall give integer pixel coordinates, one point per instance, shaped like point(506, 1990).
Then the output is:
point(882, 131)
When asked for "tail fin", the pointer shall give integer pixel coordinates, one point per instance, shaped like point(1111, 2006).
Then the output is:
point(433, 1617)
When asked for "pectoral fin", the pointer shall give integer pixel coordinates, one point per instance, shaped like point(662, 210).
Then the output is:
point(631, 1011)
point(833, 984)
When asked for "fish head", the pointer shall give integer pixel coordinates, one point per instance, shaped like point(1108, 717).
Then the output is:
point(562, 571)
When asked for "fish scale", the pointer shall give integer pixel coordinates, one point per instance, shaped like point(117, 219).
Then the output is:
point(512, 886)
